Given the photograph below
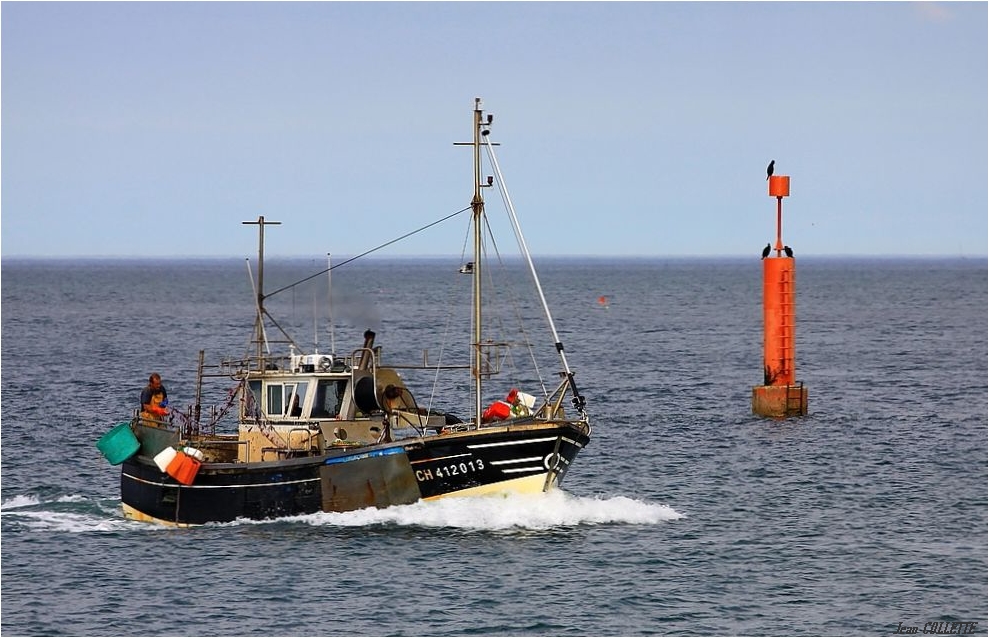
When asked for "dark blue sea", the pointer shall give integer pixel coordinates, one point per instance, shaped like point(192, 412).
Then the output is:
point(686, 514)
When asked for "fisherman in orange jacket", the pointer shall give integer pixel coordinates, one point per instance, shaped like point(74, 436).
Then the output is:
point(154, 399)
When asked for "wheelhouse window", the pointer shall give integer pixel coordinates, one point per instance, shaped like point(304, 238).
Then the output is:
point(252, 407)
point(276, 400)
point(329, 397)
point(296, 402)
point(285, 399)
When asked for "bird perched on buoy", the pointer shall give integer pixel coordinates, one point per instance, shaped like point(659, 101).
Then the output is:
point(769, 169)
point(788, 251)
point(765, 251)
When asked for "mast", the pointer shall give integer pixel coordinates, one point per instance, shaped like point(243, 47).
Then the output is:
point(259, 327)
point(329, 301)
point(478, 365)
point(477, 206)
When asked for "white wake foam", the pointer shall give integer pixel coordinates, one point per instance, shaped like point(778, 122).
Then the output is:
point(70, 522)
point(18, 502)
point(527, 512)
point(30, 501)
point(551, 510)
point(34, 513)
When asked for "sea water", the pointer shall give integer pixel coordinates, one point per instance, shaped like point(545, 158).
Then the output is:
point(685, 515)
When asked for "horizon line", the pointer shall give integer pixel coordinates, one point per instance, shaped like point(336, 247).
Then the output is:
point(35, 257)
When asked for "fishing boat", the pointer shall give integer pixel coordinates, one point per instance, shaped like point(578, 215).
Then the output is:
point(321, 432)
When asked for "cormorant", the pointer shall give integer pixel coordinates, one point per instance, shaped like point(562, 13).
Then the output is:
point(769, 169)
point(788, 251)
point(765, 251)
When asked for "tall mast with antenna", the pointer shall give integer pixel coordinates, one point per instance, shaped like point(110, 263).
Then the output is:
point(329, 300)
point(478, 364)
point(259, 327)
point(477, 206)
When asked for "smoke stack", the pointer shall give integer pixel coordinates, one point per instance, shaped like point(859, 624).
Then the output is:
point(366, 353)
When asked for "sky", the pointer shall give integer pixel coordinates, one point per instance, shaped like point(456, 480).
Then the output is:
point(625, 129)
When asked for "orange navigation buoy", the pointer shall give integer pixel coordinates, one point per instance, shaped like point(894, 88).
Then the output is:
point(781, 395)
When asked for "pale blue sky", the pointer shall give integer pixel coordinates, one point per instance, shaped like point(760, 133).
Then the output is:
point(626, 128)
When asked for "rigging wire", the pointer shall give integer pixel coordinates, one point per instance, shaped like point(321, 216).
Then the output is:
point(446, 332)
point(368, 252)
point(578, 399)
point(518, 316)
point(261, 334)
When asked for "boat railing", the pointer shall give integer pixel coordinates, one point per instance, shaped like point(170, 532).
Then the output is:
point(238, 367)
point(155, 422)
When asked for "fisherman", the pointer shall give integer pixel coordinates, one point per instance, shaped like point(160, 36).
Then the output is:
point(154, 400)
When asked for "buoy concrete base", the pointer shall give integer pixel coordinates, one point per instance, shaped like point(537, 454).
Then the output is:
point(779, 401)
